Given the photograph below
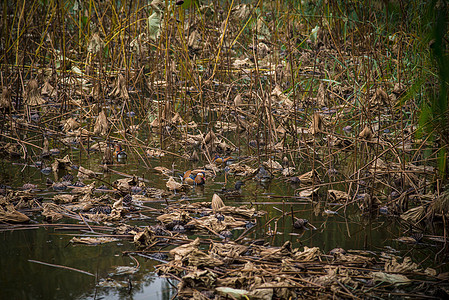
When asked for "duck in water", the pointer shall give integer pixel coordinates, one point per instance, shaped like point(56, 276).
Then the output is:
point(119, 153)
point(194, 178)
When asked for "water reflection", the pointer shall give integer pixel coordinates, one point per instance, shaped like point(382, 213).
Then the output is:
point(22, 279)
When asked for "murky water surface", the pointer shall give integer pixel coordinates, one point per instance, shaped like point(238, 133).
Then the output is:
point(21, 278)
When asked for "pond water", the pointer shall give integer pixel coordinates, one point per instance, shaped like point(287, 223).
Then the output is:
point(24, 278)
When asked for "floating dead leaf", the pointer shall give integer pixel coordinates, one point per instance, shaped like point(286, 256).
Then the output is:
point(101, 124)
point(155, 123)
point(63, 198)
point(71, 124)
point(85, 190)
point(111, 283)
point(242, 210)
point(163, 170)
point(227, 252)
point(175, 186)
point(180, 252)
point(309, 254)
point(393, 266)
point(379, 99)
point(154, 153)
point(391, 278)
point(308, 192)
point(217, 203)
point(340, 143)
point(225, 147)
point(51, 212)
point(200, 259)
point(124, 270)
point(144, 238)
point(272, 165)
point(354, 259)
point(338, 196)
point(176, 119)
point(9, 214)
point(176, 216)
point(233, 293)
point(238, 100)
point(430, 271)
point(277, 253)
point(93, 240)
point(194, 40)
point(61, 164)
point(241, 170)
point(198, 278)
point(241, 12)
point(279, 98)
point(48, 90)
point(84, 173)
point(215, 224)
point(125, 184)
point(310, 177)
point(414, 215)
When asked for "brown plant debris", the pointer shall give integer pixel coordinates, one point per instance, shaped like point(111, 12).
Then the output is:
point(5, 99)
point(9, 214)
point(101, 124)
point(120, 89)
point(32, 93)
